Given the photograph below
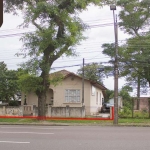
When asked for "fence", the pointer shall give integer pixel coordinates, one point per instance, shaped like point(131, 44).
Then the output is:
point(30, 111)
point(11, 111)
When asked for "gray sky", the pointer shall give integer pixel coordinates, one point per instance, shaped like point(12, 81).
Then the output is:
point(89, 49)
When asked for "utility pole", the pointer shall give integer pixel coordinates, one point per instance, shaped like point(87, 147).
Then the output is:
point(83, 83)
point(1, 12)
point(113, 7)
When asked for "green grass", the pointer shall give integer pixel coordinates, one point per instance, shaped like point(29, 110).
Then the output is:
point(121, 121)
point(134, 120)
point(81, 121)
point(17, 120)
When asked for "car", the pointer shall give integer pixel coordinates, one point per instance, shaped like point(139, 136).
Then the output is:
point(106, 107)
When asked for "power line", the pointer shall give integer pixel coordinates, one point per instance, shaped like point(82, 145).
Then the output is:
point(33, 27)
point(19, 34)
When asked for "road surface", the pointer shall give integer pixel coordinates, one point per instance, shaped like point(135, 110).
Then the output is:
point(25, 137)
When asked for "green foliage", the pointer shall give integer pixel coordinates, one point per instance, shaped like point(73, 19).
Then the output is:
point(56, 79)
point(134, 15)
point(8, 83)
point(28, 83)
point(109, 95)
point(133, 56)
point(127, 99)
point(91, 72)
point(13, 103)
point(125, 112)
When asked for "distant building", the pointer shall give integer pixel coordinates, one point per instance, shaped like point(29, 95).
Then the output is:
point(143, 103)
point(120, 102)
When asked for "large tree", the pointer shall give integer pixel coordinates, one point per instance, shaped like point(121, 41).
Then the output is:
point(135, 17)
point(58, 30)
point(134, 54)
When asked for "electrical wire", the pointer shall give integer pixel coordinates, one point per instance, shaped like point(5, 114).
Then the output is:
point(19, 34)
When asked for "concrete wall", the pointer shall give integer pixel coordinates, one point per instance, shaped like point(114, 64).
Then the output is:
point(11, 111)
point(30, 110)
point(65, 111)
point(143, 103)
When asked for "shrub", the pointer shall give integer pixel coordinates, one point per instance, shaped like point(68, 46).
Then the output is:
point(126, 112)
point(13, 103)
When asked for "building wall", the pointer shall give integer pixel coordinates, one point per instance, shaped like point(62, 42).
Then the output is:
point(65, 111)
point(120, 102)
point(143, 103)
point(11, 111)
point(96, 99)
point(71, 82)
point(32, 99)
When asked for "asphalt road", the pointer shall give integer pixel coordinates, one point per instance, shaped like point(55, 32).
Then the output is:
point(74, 138)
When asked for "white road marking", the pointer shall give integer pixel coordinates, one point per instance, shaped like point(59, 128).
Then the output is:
point(14, 142)
point(31, 128)
point(25, 133)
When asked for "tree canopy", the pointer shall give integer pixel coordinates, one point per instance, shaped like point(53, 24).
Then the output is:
point(92, 72)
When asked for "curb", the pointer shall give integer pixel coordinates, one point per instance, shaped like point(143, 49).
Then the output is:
point(74, 124)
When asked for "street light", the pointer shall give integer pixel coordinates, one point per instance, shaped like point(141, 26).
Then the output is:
point(113, 8)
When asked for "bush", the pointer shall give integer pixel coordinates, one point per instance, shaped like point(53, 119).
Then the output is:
point(125, 112)
point(13, 103)
point(141, 114)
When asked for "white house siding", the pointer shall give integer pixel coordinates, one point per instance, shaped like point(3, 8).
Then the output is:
point(96, 100)
point(72, 83)
point(32, 99)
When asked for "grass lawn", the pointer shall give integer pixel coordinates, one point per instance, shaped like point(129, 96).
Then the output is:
point(134, 121)
point(121, 121)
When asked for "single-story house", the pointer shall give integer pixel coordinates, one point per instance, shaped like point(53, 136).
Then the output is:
point(69, 92)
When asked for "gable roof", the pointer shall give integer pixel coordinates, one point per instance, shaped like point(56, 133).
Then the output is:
point(66, 74)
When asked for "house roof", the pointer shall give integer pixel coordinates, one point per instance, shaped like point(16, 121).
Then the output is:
point(65, 74)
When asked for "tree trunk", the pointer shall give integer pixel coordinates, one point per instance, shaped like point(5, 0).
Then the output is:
point(45, 69)
point(138, 94)
point(42, 105)
point(132, 107)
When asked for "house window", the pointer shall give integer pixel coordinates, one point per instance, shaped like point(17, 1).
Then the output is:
point(72, 96)
point(97, 98)
point(93, 91)
point(100, 99)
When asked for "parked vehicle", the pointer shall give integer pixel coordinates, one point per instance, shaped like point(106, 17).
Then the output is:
point(106, 107)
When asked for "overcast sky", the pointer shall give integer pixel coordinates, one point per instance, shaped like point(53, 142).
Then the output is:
point(102, 31)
